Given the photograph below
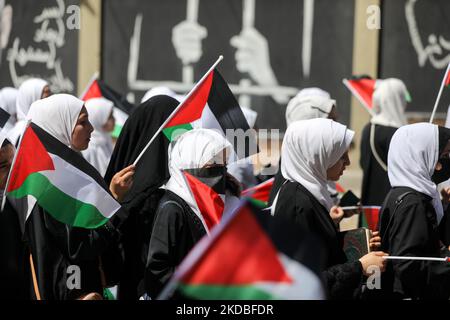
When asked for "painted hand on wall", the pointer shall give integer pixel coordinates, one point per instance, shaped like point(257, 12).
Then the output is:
point(252, 57)
point(187, 39)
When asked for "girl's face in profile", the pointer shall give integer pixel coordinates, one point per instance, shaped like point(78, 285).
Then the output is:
point(81, 134)
point(335, 172)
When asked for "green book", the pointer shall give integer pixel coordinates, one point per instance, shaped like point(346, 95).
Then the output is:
point(355, 243)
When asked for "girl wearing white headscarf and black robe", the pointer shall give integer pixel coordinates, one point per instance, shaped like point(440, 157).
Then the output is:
point(309, 148)
point(309, 103)
point(412, 212)
point(30, 91)
point(178, 226)
point(389, 103)
point(54, 245)
point(100, 147)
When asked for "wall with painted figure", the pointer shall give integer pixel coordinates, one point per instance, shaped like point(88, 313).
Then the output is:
point(271, 49)
point(415, 47)
point(39, 39)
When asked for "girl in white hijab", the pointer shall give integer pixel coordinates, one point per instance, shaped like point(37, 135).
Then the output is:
point(8, 98)
point(178, 225)
point(314, 152)
point(100, 148)
point(389, 103)
point(30, 91)
point(55, 245)
point(412, 212)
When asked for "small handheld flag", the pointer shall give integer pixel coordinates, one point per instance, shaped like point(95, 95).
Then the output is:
point(445, 82)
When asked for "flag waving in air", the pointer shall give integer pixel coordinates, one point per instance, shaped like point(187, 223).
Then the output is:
point(362, 88)
point(122, 108)
point(60, 180)
point(250, 256)
point(210, 105)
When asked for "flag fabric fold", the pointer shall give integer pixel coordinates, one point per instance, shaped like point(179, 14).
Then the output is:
point(60, 180)
point(228, 263)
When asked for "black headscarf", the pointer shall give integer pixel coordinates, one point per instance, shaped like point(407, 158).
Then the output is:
point(152, 170)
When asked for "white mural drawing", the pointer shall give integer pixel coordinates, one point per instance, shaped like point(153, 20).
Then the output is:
point(43, 50)
point(436, 51)
point(252, 55)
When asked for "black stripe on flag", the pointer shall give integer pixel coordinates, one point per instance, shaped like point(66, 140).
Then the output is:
point(228, 113)
point(4, 117)
point(119, 100)
point(56, 147)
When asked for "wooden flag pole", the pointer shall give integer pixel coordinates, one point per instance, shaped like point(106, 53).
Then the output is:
point(177, 108)
point(439, 94)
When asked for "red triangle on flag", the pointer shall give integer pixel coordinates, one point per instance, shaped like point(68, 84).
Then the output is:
point(209, 202)
point(93, 91)
point(192, 108)
point(241, 254)
point(31, 157)
point(362, 89)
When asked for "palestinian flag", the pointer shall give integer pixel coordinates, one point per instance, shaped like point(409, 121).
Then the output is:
point(369, 217)
point(209, 203)
point(60, 180)
point(249, 256)
point(260, 193)
point(211, 105)
point(362, 88)
point(122, 108)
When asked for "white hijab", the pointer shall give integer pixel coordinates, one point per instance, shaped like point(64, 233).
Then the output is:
point(193, 150)
point(58, 115)
point(29, 91)
point(412, 158)
point(8, 97)
point(309, 148)
point(304, 107)
point(389, 103)
point(100, 147)
point(156, 91)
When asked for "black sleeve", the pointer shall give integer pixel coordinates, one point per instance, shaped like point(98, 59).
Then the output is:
point(79, 244)
point(410, 235)
point(343, 280)
point(166, 248)
point(365, 154)
point(444, 227)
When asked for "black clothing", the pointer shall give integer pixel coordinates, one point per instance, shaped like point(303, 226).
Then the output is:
point(298, 205)
point(408, 227)
point(175, 231)
point(143, 198)
point(14, 258)
point(56, 246)
point(375, 185)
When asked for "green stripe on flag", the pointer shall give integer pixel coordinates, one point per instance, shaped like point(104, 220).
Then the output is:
point(169, 132)
point(218, 292)
point(116, 131)
point(258, 203)
point(61, 206)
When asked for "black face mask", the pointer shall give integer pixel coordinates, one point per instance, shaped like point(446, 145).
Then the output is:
point(443, 174)
point(213, 177)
